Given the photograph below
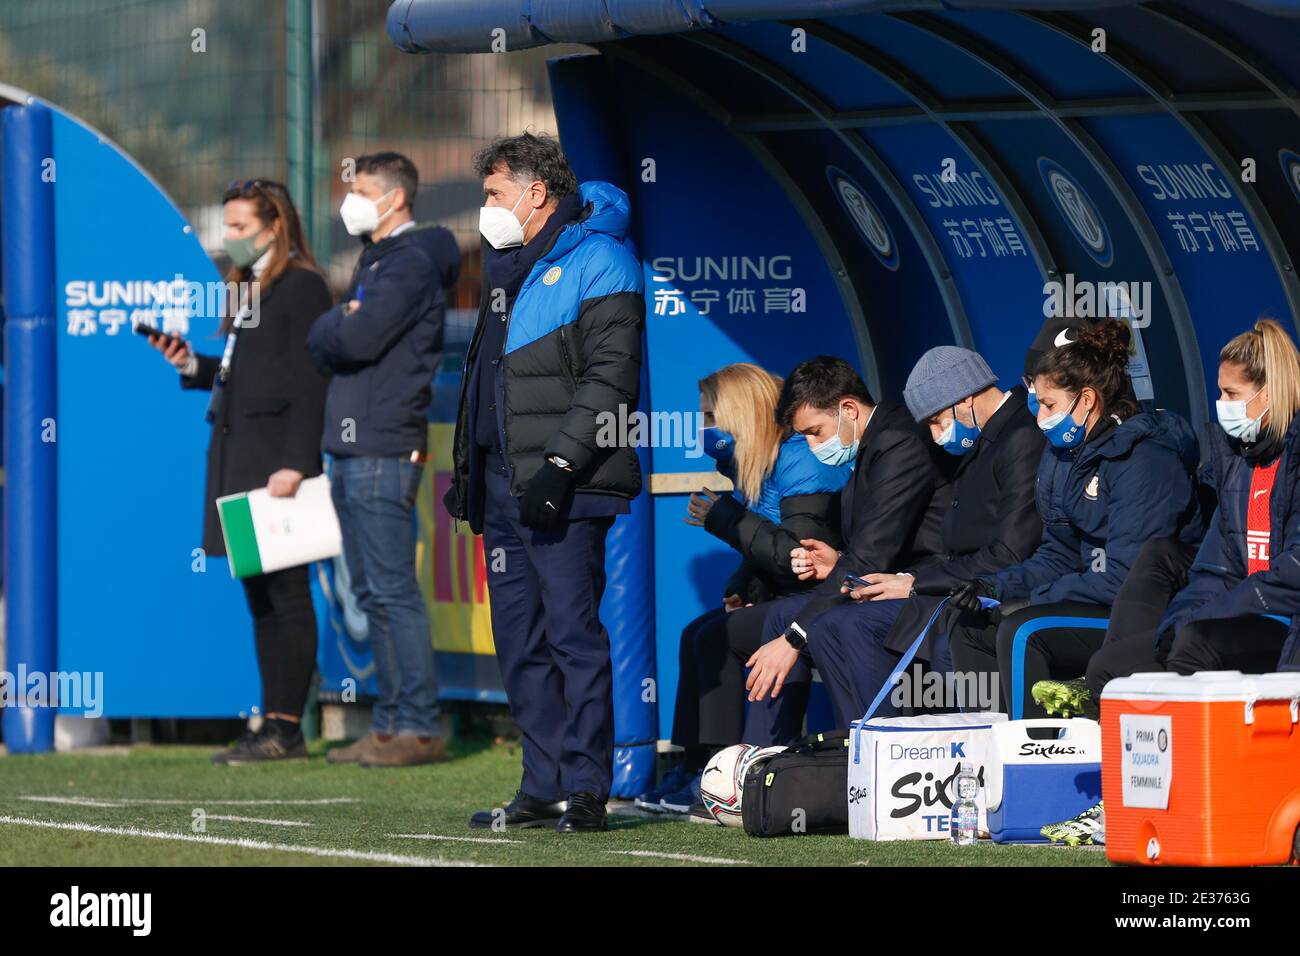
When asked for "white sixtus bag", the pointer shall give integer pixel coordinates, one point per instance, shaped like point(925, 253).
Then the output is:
point(903, 771)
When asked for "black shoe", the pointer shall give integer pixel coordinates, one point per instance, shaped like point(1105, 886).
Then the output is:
point(520, 813)
point(263, 746)
point(586, 814)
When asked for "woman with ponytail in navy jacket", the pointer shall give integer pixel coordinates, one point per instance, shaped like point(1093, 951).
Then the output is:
point(1110, 479)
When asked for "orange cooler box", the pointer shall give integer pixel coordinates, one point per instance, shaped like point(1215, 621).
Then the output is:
point(1201, 770)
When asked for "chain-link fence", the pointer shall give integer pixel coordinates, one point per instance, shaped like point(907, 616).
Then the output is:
point(438, 110)
point(201, 92)
point(194, 91)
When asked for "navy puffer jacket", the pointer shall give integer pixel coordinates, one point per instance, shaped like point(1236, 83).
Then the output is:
point(1101, 502)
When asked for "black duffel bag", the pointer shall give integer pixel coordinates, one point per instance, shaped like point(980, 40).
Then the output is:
point(803, 789)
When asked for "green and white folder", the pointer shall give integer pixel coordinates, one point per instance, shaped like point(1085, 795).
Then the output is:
point(266, 534)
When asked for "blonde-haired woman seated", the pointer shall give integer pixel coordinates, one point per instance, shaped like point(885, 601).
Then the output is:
point(782, 494)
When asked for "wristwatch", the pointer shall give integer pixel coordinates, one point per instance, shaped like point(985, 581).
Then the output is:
point(796, 636)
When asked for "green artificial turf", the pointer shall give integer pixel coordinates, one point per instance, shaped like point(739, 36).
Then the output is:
point(388, 807)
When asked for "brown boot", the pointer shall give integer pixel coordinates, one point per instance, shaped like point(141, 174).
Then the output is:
point(405, 750)
point(353, 752)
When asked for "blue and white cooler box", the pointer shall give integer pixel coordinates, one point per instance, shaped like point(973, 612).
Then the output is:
point(1036, 780)
point(902, 772)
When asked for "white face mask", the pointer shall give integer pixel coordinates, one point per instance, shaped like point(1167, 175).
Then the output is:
point(500, 227)
point(361, 215)
point(1233, 420)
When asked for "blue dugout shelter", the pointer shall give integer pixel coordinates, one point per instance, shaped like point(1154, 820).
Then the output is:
point(863, 178)
point(873, 177)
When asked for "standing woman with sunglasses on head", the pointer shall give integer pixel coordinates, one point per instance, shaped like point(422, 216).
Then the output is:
point(266, 414)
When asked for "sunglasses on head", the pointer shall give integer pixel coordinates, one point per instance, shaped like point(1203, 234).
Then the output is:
point(244, 188)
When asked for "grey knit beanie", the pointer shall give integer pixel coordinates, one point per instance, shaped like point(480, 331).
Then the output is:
point(943, 377)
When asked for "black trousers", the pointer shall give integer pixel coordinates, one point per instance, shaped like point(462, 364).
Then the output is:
point(710, 709)
point(988, 657)
point(1250, 644)
point(284, 629)
point(1158, 573)
point(707, 690)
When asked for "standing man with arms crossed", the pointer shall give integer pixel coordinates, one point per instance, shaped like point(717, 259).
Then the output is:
point(379, 345)
point(558, 343)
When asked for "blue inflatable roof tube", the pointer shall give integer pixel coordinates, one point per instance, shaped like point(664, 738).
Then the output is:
point(481, 26)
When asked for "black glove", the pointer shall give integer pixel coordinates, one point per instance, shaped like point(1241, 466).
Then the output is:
point(546, 497)
point(965, 595)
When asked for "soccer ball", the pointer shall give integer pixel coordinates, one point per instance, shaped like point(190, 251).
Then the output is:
point(723, 785)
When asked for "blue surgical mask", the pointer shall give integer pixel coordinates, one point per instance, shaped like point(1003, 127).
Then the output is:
point(1062, 430)
point(1233, 420)
point(1031, 402)
point(718, 444)
point(834, 452)
point(958, 438)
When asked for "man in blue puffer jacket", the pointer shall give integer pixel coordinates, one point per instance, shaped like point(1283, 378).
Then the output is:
point(555, 358)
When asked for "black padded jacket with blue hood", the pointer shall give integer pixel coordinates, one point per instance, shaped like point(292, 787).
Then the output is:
point(572, 358)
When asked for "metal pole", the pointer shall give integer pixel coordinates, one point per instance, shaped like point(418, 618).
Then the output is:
point(299, 75)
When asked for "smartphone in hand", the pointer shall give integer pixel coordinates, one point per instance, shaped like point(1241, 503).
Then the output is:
point(148, 330)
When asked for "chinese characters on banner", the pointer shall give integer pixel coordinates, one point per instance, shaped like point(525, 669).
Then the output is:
point(1208, 219)
point(972, 235)
point(984, 237)
point(96, 307)
point(725, 285)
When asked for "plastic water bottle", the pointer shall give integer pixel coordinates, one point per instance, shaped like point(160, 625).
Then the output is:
point(963, 829)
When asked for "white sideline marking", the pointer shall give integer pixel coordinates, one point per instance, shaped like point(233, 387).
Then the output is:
point(322, 802)
point(77, 801)
point(270, 823)
point(123, 801)
point(336, 853)
point(458, 839)
point(679, 856)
